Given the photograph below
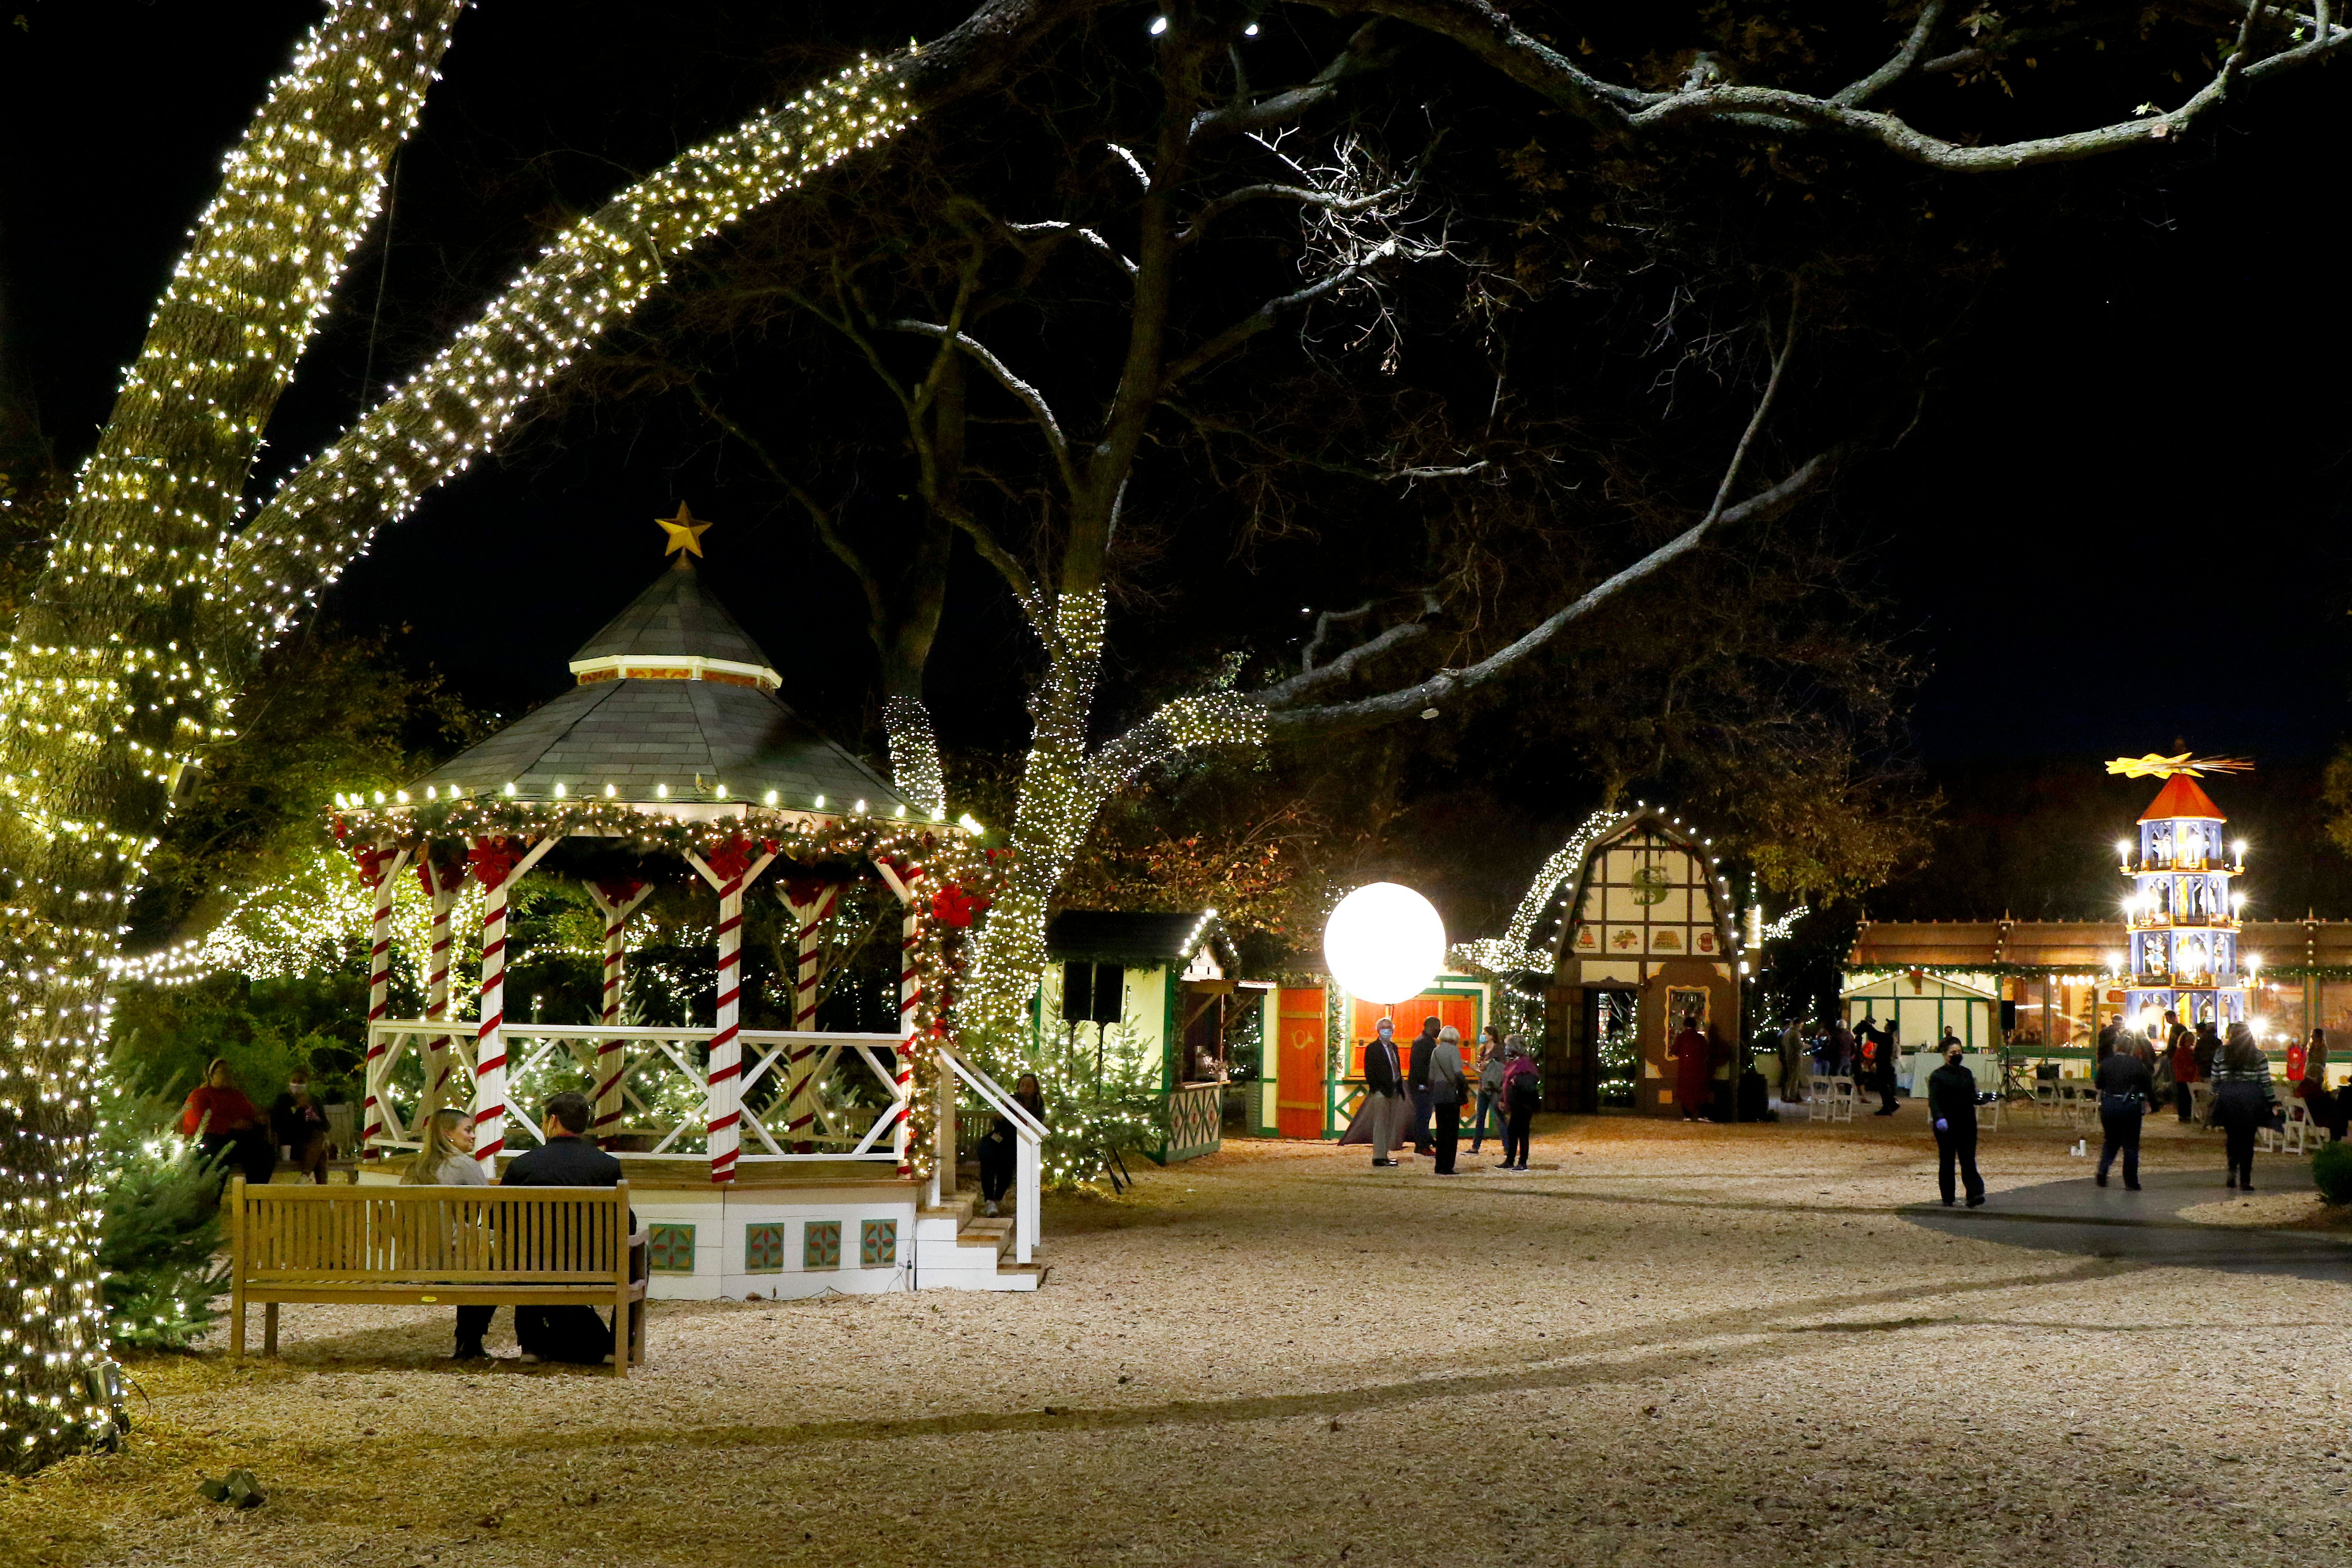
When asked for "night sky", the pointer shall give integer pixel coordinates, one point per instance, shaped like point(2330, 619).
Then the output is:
point(2119, 521)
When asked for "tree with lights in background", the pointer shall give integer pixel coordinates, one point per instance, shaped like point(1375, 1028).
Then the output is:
point(161, 589)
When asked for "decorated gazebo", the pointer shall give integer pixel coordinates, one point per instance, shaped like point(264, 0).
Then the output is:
point(673, 746)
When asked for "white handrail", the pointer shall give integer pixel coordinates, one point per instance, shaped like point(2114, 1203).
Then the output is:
point(1028, 1166)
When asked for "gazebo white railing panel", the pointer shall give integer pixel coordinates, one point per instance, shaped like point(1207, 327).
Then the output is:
point(854, 1090)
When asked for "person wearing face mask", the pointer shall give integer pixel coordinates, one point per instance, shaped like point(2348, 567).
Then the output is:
point(1382, 1116)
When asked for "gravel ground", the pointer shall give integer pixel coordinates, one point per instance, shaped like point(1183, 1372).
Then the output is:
point(1665, 1343)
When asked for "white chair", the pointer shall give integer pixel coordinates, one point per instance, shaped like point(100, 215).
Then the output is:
point(1817, 1099)
point(1989, 1114)
point(1842, 1099)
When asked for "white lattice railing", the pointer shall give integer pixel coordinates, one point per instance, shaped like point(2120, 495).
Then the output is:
point(1028, 1135)
point(803, 1094)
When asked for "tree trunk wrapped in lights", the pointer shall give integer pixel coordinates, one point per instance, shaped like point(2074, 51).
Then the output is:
point(108, 691)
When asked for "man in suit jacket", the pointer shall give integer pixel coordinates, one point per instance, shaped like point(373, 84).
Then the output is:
point(1384, 1090)
point(571, 1332)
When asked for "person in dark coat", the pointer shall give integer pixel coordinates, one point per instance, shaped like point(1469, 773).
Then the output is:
point(1877, 1065)
point(2207, 1046)
point(1383, 1115)
point(2107, 1033)
point(1952, 1107)
point(2326, 1110)
point(2180, 1053)
point(570, 1332)
point(2126, 1093)
point(299, 1126)
point(1417, 1079)
point(1521, 1092)
point(999, 1146)
point(2243, 1100)
point(1694, 1069)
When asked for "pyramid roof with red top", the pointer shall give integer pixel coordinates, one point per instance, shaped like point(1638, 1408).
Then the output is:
point(2181, 797)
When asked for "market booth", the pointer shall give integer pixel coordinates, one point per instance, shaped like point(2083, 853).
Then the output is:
point(776, 1162)
point(1314, 1078)
point(1162, 990)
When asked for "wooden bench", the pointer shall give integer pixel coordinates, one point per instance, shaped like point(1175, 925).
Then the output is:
point(460, 1247)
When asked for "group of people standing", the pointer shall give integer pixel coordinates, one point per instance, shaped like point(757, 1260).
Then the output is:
point(2134, 1075)
point(1422, 1088)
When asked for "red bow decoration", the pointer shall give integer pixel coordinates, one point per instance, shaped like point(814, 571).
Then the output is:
point(493, 860)
point(951, 906)
point(437, 876)
point(620, 889)
point(371, 860)
point(805, 890)
point(733, 858)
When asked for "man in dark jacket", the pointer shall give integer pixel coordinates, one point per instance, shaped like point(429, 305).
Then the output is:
point(2208, 1048)
point(1384, 1108)
point(2126, 1092)
point(570, 1332)
point(1952, 1107)
point(1417, 1077)
point(2107, 1033)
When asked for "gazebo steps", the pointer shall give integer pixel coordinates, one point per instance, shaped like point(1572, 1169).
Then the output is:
point(954, 1244)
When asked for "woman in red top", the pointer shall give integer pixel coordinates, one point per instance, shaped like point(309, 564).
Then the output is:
point(226, 1127)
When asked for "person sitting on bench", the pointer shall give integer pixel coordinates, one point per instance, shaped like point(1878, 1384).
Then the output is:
point(570, 1332)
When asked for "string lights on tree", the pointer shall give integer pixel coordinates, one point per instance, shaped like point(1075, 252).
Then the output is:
point(109, 688)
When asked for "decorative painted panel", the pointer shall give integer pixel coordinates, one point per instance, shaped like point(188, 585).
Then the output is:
point(877, 1243)
point(763, 1250)
point(670, 1249)
point(821, 1244)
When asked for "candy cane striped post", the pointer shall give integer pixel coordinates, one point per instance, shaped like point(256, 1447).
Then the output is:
point(443, 883)
point(497, 876)
point(615, 901)
point(910, 996)
point(730, 871)
point(809, 915)
point(381, 868)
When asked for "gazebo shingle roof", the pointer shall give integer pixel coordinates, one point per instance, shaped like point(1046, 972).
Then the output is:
point(691, 736)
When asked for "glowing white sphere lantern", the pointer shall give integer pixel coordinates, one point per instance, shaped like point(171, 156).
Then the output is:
point(1384, 942)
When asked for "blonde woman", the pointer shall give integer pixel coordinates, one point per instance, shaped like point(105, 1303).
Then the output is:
point(447, 1158)
point(447, 1161)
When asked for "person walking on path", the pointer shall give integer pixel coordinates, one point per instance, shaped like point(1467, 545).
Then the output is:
point(2243, 1102)
point(1447, 1090)
point(1424, 1043)
point(1382, 1116)
point(1952, 1107)
point(2126, 1093)
point(1490, 1086)
point(1693, 1069)
point(2182, 1056)
point(1521, 1093)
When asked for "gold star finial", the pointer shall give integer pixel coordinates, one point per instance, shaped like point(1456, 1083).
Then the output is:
point(685, 532)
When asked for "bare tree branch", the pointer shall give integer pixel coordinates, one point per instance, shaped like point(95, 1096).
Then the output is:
point(1266, 315)
point(1331, 200)
point(1096, 240)
point(1315, 677)
point(1450, 682)
point(1894, 70)
point(1027, 395)
point(1493, 37)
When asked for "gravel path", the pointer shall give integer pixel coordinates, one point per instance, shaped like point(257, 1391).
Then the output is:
point(1667, 1344)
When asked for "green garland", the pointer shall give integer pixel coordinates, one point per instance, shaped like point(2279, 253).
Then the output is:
point(939, 865)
